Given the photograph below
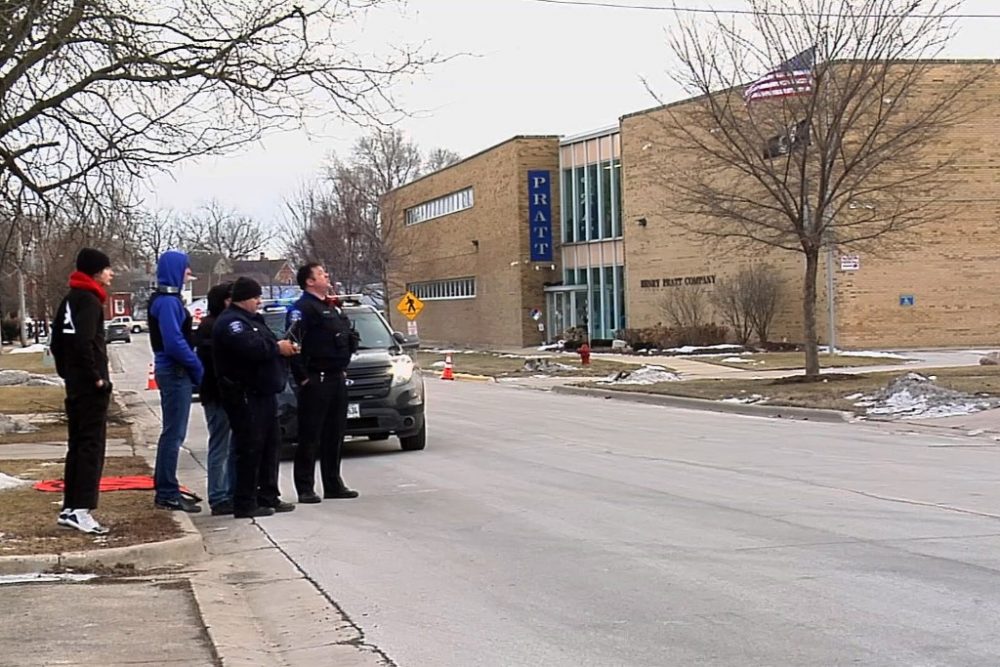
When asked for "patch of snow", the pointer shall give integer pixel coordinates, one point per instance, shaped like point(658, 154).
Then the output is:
point(752, 398)
point(823, 349)
point(551, 346)
point(44, 577)
point(854, 397)
point(737, 360)
point(438, 364)
point(9, 482)
point(915, 396)
point(694, 349)
point(644, 375)
point(37, 347)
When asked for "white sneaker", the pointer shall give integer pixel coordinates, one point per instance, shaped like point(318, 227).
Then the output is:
point(83, 521)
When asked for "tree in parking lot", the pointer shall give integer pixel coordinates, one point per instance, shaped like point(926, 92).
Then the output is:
point(828, 149)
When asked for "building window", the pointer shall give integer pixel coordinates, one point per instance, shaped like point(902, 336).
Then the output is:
point(453, 288)
point(435, 208)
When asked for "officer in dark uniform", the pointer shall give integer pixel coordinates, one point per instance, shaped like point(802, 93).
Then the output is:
point(327, 341)
point(251, 372)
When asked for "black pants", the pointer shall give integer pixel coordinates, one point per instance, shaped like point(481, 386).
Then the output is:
point(253, 421)
point(322, 413)
point(87, 417)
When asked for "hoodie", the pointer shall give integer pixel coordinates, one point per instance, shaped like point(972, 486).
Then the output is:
point(169, 321)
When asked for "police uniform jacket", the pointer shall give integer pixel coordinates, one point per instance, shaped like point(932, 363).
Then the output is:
point(324, 335)
point(246, 353)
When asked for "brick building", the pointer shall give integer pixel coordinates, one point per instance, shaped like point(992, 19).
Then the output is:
point(618, 252)
point(474, 241)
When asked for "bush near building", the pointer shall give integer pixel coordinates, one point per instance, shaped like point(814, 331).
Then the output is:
point(664, 337)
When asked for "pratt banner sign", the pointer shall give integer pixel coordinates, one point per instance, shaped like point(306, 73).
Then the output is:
point(540, 214)
point(678, 282)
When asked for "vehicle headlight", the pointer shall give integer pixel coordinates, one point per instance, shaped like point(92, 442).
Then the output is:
point(402, 370)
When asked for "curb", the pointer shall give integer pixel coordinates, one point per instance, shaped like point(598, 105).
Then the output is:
point(183, 550)
point(468, 377)
point(773, 411)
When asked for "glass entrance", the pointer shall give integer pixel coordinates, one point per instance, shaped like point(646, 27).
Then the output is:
point(565, 308)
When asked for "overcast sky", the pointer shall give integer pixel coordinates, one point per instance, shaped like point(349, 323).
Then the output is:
point(537, 68)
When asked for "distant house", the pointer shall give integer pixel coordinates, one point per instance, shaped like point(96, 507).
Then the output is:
point(209, 269)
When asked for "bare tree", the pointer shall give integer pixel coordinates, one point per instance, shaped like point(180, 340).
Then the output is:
point(341, 220)
point(154, 233)
point(844, 162)
point(97, 89)
point(220, 231)
point(685, 307)
point(439, 158)
point(748, 301)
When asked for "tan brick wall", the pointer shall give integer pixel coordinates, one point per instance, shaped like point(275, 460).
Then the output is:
point(507, 285)
point(952, 267)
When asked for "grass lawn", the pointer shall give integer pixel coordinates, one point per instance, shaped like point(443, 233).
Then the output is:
point(495, 365)
point(828, 394)
point(31, 362)
point(28, 517)
point(779, 361)
point(23, 400)
point(56, 432)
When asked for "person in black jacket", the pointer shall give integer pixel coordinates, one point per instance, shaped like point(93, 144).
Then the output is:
point(251, 372)
point(81, 358)
point(328, 340)
point(219, 463)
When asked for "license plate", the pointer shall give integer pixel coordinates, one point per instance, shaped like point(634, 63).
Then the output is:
point(353, 411)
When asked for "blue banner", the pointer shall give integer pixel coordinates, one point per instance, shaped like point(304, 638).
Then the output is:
point(540, 214)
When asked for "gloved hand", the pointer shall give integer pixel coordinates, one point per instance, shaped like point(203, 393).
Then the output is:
point(354, 341)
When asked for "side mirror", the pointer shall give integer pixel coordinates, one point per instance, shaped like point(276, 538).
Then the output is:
point(406, 342)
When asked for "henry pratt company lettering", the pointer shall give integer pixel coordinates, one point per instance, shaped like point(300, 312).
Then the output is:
point(540, 215)
point(685, 281)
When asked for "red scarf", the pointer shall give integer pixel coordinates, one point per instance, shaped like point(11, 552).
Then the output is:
point(81, 280)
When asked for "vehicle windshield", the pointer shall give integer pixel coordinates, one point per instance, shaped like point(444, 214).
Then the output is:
point(375, 335)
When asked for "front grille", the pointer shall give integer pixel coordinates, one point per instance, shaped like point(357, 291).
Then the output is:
point(369, 382)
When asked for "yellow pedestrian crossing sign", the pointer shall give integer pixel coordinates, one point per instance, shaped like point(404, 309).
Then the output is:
point(410, 305)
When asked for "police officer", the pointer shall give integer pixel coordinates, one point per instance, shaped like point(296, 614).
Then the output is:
point(251, 372)
point(327, 342)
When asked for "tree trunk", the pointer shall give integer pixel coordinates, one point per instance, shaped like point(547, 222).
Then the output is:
point(809, 312)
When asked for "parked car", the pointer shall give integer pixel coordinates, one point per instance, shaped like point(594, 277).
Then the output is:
point(117, 331)
point(134, 326)
point(385, 387)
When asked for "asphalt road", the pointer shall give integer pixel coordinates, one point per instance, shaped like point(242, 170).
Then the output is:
point(541, 529)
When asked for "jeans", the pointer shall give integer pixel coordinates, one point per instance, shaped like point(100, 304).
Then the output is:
point(176, 389)
point(220, 458)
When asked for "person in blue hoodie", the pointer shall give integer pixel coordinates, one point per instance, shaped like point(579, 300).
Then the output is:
point(178, 371)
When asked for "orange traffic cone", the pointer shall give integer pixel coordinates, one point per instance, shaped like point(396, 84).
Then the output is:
point(448, 373)
point(151, 380)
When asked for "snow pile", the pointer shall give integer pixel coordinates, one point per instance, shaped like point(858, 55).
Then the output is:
point(9, 424)
point(915, 396)
point(8, 482)
point(544, 365)
point(643, 375)
point(694, 349)
point(752, 398)
point(10, 378)
point(37, 347)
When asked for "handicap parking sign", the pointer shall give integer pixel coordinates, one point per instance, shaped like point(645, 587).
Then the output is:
point(906, 299)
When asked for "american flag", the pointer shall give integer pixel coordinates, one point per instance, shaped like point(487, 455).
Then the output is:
point(792, 77)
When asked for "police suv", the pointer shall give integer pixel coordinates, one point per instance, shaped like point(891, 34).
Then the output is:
point(384, 385)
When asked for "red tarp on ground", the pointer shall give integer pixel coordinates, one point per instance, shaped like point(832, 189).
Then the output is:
point(129, 483)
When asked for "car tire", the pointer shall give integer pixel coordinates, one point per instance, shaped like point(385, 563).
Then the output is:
point(136, 329)
point(128, 340)
point(377, 437)
point(416, 441)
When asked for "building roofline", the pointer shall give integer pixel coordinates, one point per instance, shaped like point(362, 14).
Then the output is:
point(590, 134)
point(912, 61)
point(517, 137)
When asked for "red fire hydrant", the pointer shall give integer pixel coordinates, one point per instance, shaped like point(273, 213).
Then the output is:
point(584, 352)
